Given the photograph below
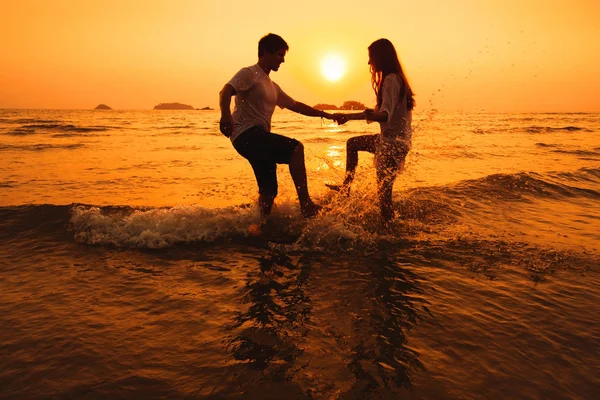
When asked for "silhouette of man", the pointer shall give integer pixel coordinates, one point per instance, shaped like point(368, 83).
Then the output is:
point(249, 128)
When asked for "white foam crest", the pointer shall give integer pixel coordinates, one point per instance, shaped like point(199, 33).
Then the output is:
point(159, 228)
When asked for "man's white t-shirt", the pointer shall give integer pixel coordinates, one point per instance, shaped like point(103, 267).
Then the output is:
point(398, 125)
point(255, 100)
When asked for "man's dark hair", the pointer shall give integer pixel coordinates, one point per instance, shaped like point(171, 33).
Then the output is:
point(271, 43)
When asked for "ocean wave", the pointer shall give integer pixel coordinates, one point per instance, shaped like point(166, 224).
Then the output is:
point(319, 140)
point(166, 132)
point(166, 227)
point(348, 225)
point(21, 132)
point(577, 152)
point(159, 227)
point(8, 184)
point(40, 147)
point(189, 126)
point(178, 228)
point(583, 174)
point(533, 129)
point(183, 148)
point(519, 185)
point(28, 121)
point(62, 128)
point(547, 129)
point(558, 148)
point(72, 135)
point(345, 222)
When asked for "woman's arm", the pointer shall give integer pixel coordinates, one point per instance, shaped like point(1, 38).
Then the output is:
point(368, 114)
point(379, 116)
point(355, 116)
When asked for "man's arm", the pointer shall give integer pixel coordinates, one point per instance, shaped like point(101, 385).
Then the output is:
point(226, 122)
point(307, 110)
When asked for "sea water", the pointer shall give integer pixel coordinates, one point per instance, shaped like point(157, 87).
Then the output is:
point(127, 269)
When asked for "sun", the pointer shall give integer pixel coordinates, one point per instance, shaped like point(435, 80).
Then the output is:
point(333, 67)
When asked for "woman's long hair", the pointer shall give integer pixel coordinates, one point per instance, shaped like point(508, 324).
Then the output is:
point(384, 61)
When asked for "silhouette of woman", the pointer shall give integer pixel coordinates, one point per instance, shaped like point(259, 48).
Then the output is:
point(395, 102)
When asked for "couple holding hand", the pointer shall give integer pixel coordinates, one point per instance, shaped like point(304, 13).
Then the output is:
point(256, 96)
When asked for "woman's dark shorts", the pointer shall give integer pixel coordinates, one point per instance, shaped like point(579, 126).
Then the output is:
point(264, 150)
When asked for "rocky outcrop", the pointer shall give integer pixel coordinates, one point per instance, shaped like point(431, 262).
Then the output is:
point(353, 105)
point(322, 106)
point(173, 106)
point(348, 105)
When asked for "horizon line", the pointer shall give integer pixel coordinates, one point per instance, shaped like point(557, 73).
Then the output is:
point(216, 109)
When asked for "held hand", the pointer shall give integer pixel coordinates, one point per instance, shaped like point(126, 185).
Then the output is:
point(369, 115)
point(341, 119)
point(327, 115)
point(226, 125)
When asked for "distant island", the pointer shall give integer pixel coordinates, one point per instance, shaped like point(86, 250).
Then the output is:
point(205, 108)
point(348, 105)
point(102, 107)
point(173, 106)
point(353, 105)
point(322, 106)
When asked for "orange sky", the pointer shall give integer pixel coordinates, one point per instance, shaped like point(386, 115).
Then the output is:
point(513, 55)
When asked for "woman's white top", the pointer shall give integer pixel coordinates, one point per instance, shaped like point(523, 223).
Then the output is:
point(398, 125)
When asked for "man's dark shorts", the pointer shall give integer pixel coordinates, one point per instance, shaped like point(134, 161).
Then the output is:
point(264, 150)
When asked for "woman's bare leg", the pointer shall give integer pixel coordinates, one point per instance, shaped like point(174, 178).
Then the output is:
point(385, 184)
point(353, 146)
point(390, 163)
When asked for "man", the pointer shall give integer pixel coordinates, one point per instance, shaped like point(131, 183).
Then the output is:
point(249, 128)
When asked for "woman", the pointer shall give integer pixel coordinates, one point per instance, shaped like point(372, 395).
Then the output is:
point(394, 113)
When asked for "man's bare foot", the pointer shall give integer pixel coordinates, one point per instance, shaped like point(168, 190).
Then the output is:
point(311, 210)
point(388, 227)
